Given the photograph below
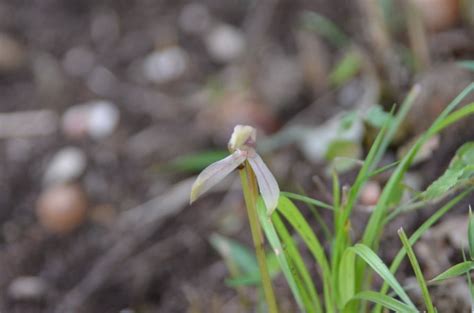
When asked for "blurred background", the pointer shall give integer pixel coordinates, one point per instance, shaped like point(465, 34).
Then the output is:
point(108, 110)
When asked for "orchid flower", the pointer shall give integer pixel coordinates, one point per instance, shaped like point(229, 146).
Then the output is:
point(242, 148)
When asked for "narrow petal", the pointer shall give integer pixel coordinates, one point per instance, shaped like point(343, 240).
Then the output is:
point(214, 173)
point(266, 183)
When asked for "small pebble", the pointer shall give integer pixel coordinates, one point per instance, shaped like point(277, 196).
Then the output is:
point(103, 119)
point(27, 288)
point(225, 43)
point(28, 123)
point(194, 18)
point(66, 165)
point(165, 66)
point(96, 119)
point(62, 208)
point(370, 193)
point(12, 54)
point(78, 61)
point(102, 81)
point(438, 15)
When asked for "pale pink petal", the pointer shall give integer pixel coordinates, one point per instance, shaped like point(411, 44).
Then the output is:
point(214, 173)
point(266, 183)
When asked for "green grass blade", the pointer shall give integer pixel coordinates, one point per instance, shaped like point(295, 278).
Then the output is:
point(418, 273)
point(346, 278)
point(470, 234)
point(196, 162)
point(383, 169)
point(467, 64)
point(382, 270)
point(346, 69)
point(382, 300)
point(321, 222)
point(295, 257)
point(277, 247)
point(240, 256)
point(453, 118)
point(298, 222)
point(418, 233)
point(376, 221)
point(325, 28)
point(397, 121)
point(454, 271)
point(307, 200)
point(469, 281)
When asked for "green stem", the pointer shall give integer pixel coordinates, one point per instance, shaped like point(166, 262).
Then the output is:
point(249, 186)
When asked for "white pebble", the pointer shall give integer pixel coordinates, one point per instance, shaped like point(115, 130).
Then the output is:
point(101, 81)
point(225, 43)
point(27, 288)
point(103, 119)
point(67, 164)
point(96, 119)
point(165, 65)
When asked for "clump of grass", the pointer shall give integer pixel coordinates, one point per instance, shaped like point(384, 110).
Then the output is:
point(346, 268)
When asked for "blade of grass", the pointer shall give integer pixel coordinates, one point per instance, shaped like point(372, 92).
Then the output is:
point(341, 224)
point(277, 247)
point(454, 271)
point(418, 273)
point(325, 28)
point(346, 279)
point(298, 222)
point(453, 117)
point(470, 234)
point(371, 235)
point(383, 169)
point(382, 270)
point(397, 121)
point(382, 300)
point(469, 281)
point(417, 235)
point(294, 255)
point(467, 64)
point(306, 200)
point(321, 222)
point(196, 162)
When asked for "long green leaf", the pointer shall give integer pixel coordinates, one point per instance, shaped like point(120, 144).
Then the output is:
point(325, 28)
point(277, 247)
point(346, 279)
point(380, 268)
point(296, 219)
point(455, 271)
point(416, 268)
point(342, 215)
point(417, 235)
point(380, 299)
point(371, 235)
point(241, 256)
point(293, 254)
point(307, 200)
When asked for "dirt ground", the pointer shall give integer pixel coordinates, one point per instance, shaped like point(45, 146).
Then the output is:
point(180, 75)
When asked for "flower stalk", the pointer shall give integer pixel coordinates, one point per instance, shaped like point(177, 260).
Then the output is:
point(256, 179)
point(250, 191)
